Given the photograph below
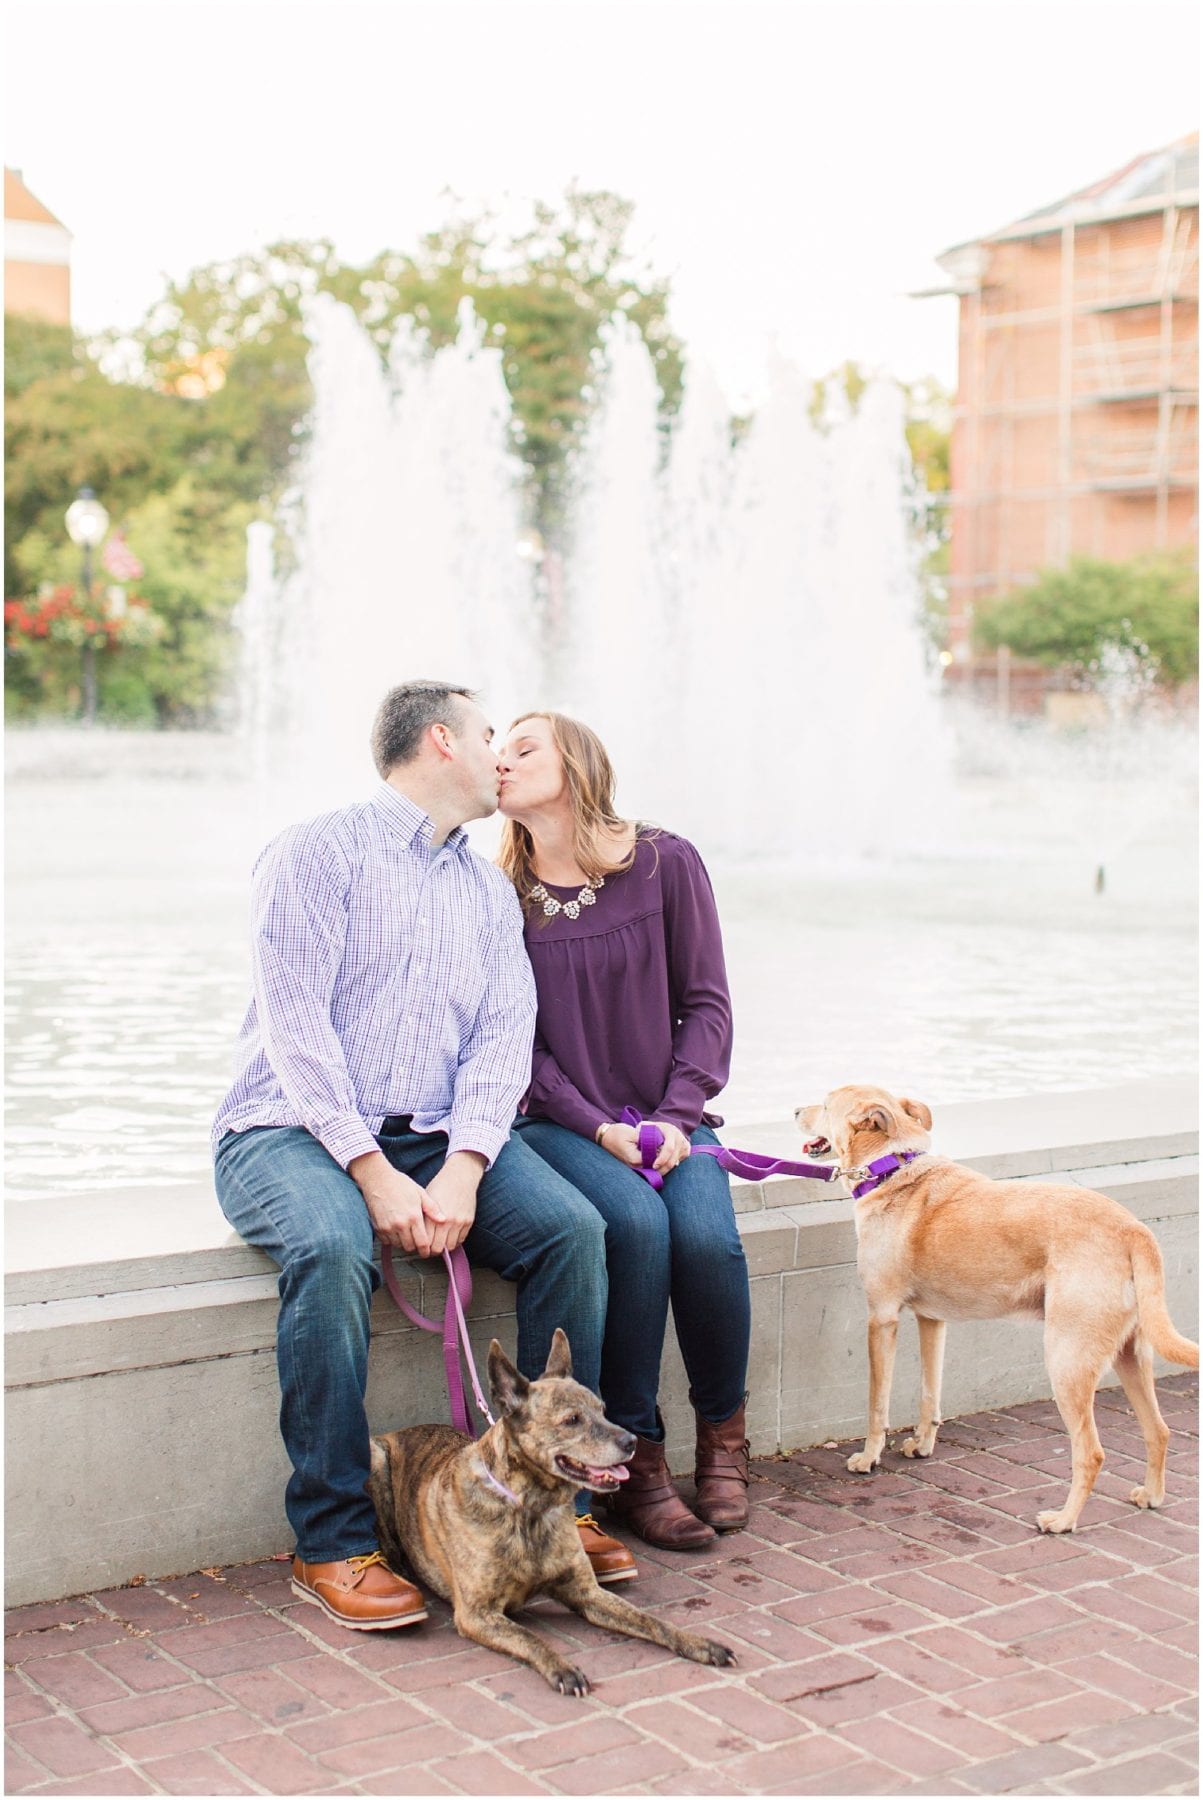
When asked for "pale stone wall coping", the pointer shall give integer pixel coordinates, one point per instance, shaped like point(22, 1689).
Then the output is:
point(143, 1336)
point(123, 1240)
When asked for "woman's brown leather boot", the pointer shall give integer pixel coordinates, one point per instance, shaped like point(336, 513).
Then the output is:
point(649, 1505)
point(721, 1472)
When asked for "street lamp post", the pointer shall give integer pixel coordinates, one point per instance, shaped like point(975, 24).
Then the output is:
point(87, 522)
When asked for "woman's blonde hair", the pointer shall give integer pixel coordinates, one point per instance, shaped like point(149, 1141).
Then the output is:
point(589, 774)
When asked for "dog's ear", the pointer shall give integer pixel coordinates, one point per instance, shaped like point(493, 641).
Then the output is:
point(559, 1358)
point(877, 1117)
point(509, 1389)
point(915, 1109)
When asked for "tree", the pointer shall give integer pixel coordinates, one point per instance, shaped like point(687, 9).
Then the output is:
point(193, 544)
point(34, 348)
point(542, 293)
point(192, 421)
point(1068, 616)
point(67, 427)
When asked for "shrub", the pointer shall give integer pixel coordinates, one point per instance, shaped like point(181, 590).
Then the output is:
point(1068, 616)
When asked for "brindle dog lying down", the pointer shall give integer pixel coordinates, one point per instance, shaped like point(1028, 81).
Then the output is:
point(489, 1525)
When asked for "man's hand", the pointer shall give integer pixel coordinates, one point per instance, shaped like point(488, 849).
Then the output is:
point(454, 1192)
point(402, 1213)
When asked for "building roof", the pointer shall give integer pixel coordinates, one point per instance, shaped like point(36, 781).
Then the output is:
point(1158, 177)
point(19, 203)
point(1146, 184)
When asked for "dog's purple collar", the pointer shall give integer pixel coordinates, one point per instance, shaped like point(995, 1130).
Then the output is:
point(874, 1173)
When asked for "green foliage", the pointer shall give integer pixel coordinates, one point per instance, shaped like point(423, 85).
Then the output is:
point(543, 295)
point(70, 428)
point(124, 694)
point(34, 348)
point(190, 425)
point(192, 542)
point(1069, 615)
point(929, 432)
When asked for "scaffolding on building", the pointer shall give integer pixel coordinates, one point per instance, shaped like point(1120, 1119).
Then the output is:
point(1078, 384)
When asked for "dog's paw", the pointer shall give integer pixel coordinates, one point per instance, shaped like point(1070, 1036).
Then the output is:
point(718, 1655)
point(570, 1681)
point(863, 1463)
point(1140, 1496)
point(1055, 1522)
point(914, 1446)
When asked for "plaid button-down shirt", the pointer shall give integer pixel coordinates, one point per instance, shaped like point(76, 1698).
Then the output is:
point(386, 980)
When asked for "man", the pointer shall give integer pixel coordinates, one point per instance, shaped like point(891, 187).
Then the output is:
point(384, 1052)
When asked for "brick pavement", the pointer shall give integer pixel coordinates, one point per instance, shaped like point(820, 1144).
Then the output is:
point(907, 1632)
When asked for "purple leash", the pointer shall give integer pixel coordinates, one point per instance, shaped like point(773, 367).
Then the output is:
point(454, 1328)
point(747, 1164)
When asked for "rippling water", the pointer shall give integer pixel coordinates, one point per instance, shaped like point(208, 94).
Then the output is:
point(981, 964)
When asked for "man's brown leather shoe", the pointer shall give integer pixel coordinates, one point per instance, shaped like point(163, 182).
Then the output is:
point(610, 1560)
point(361, 1593)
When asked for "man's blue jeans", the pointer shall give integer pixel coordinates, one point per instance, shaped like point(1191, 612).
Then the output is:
point(283, 1192)
point(681, 1244)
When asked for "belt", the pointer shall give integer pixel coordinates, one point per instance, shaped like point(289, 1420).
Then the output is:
point(397, 1124)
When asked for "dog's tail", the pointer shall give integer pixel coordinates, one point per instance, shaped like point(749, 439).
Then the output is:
point(1148, 1275)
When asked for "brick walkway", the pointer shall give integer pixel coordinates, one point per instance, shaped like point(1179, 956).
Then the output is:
point(908, 1632)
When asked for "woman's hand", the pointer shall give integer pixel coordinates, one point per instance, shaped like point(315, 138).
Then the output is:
point(673, 1150)
point(622, 1141)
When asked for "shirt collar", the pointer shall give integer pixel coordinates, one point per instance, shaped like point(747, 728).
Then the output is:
point(414, 827)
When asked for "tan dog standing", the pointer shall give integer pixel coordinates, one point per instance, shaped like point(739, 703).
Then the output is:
point(952, 1244)
point(489, 1525)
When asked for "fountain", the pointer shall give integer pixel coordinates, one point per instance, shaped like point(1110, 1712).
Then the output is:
point(737, 621)
point(404, 538)
point(906, 887)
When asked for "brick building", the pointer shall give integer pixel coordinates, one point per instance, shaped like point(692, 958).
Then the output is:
point(1076, 422)
point(37, 255)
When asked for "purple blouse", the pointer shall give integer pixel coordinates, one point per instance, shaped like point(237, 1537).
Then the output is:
point(633, 1001)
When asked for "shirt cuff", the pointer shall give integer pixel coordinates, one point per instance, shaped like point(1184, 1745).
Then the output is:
point(345, 1137)
point(683, 1105)
point(481, 1135)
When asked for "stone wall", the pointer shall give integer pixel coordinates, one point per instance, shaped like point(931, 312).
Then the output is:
point(140, 1374)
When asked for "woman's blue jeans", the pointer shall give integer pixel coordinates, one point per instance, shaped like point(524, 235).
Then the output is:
point(681, 1244)
point(282, 1191)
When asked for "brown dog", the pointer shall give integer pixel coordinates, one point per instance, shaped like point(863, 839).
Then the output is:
point(489, 1525)
point(951, 1244)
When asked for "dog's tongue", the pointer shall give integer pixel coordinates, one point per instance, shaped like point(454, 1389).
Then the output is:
point(619, 1472)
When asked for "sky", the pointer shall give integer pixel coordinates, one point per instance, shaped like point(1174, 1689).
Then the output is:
point(796, 167)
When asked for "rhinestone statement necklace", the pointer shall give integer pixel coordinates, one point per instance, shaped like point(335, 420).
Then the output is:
point(571, 909)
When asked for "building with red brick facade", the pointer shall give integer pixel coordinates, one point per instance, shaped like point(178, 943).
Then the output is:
point(1076, 421)
point(37, 255)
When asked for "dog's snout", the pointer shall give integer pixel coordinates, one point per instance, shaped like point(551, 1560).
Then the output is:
point(626, 1442)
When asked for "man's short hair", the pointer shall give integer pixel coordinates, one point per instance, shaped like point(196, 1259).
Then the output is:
point(406, 714)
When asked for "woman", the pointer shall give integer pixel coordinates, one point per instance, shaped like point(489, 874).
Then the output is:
point(624, 939)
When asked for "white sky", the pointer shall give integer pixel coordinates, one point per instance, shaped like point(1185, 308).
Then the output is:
point(796, 166)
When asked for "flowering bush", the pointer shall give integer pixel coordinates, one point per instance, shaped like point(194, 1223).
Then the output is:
point(60, 642)
point(63, 617)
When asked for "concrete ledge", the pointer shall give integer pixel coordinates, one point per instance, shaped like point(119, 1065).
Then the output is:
point(140, 1374)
